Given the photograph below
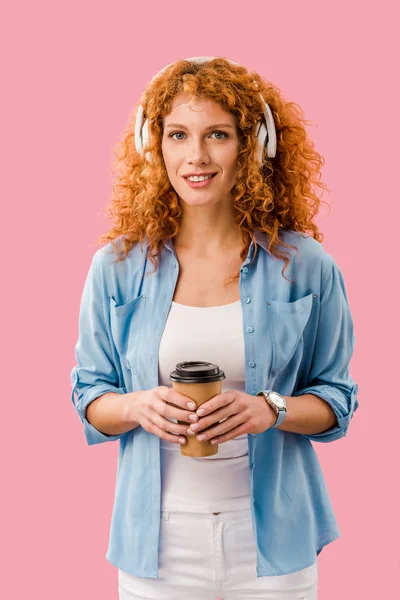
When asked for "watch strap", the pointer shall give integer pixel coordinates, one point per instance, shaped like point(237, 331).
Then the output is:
point(281, 412)
point(281, 416)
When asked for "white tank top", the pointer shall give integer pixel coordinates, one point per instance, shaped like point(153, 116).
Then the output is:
point(211, 483)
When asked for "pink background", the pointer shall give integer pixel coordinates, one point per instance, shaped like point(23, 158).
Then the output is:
point(71, 75)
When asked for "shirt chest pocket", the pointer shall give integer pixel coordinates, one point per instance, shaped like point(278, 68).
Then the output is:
point(287, 324)
point(126, 323)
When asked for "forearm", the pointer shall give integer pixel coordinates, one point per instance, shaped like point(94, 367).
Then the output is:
point(307, 414)
point(108, 413)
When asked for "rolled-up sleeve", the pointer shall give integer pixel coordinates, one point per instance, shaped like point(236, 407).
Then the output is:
point(95, 372)
point(330, 377)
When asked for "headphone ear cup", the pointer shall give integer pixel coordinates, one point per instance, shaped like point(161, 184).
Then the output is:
point(146, 140)
point(262, 135)
point(142, 133)
point(271, 131)
point(138, 129)
point(145, 133)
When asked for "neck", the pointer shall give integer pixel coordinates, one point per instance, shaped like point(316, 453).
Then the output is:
point(207, 233)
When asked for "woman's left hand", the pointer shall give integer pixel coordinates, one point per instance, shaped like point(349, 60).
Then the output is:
point(243, 413)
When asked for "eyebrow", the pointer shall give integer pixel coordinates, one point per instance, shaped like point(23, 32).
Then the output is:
point(207, 128)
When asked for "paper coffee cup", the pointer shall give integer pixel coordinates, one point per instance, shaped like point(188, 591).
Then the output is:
point(199, 381)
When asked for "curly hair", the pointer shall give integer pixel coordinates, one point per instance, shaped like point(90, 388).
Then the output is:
point(277, 195)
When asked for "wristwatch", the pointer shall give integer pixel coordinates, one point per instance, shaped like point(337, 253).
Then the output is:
point(277, 402)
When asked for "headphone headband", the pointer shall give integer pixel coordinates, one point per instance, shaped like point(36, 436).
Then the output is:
point(266, 132)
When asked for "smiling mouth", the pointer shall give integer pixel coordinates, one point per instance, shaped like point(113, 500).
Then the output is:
point(200, 184)
point(207, 177)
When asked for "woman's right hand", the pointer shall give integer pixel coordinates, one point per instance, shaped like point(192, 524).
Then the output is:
point(152, 409)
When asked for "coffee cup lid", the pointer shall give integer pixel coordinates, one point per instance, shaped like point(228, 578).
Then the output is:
point(196, 371)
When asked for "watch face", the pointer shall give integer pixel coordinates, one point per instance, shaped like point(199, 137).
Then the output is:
point(279, 401)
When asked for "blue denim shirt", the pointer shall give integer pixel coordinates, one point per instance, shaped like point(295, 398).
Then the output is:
point(299, 339)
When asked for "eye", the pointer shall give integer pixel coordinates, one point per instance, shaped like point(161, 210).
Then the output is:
point(175, 133)
point(223, 133)
point(181, 132)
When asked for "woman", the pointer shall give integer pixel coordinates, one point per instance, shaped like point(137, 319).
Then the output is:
point(250, 521)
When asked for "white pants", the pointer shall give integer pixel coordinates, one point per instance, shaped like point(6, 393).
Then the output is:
point(209, 556)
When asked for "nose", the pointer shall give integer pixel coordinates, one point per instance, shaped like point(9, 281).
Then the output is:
point(197, 153)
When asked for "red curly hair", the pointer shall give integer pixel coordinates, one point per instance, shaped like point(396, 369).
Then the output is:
point(278, 195)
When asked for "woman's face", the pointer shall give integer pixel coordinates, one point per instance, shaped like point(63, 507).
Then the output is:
point(200, 137)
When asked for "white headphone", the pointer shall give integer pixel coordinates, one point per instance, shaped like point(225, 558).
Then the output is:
point(265, 131)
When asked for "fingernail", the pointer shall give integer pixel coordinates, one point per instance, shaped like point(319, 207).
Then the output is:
point(191, 405)
point(182, 440)
point(189, 431)
point(195, 426)
point(201, 437)
point(193, 417)
point(200, 412)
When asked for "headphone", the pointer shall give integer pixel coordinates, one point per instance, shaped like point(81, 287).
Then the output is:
point(265, 132)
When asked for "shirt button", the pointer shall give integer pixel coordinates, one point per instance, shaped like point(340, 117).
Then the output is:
point(250, 330)
point(251, 363)
point(245, 269)
point(248, 300)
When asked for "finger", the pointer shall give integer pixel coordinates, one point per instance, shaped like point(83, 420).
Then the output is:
point(223, 427)
point(216, 417)
point(172, 396)
point(171, 412)
point(161, 433)
point(166, 424)
point(216, 402)
point(230, 435)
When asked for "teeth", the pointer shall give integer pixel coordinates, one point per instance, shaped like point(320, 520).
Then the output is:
point(202, 178)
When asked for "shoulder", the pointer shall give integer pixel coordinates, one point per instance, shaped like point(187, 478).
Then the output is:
point(311, 265)
point(106, 258)
point(120, 279)
point(310, 251)
point(307, 245)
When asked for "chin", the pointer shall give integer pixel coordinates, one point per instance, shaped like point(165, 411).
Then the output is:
point(197, 201)
point(199, 198)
